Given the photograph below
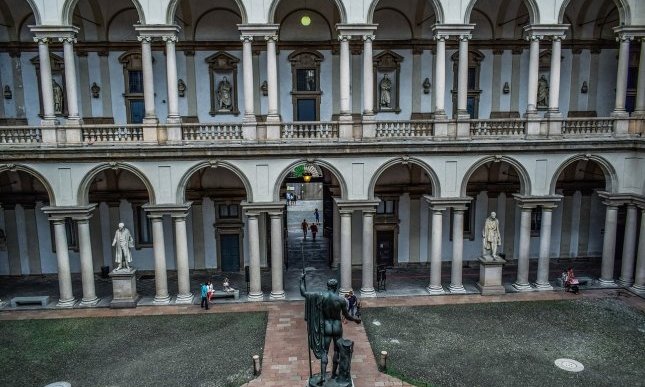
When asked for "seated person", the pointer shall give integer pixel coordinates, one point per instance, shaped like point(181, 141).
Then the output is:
point(209, 286)
point(227, 286)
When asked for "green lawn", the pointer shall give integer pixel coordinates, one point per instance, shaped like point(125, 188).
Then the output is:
point(179, 350)
point(512, 344)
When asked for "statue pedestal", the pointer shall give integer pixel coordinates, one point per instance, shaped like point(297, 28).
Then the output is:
point(314, 380)
point(490, 276)
point(124, 288)
point(344, 377)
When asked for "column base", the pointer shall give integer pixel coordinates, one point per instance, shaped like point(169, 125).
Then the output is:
point(619, 114)
point(344, 291)
point(531, 114)
point(184, 298)
point(150, 121)
point(161, 300)
point(522, 287)
point(434, 290)
point(553, 114)
point(607, 283)
point(625, 282)
point(256, 297)
point(173, 120)
point(640, 289)
point(89, 302)
point(368, 292)
point(543, 286)
point(457, 289)
point(66, 303)
point(277, 295)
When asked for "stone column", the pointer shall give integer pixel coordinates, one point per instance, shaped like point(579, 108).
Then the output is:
point(272, 78)
point(45, 79)
point(184, 295)
point(456, 285)
point(639, 280)
point(609, 245)
point(172, 79)
point(148, 80)
point(440, 77)
point(542, 282)
point(335, 264)
point(367, 288)
point(87, 266)
point(70, 79)
point(534, 61)
point(255, 292)
point(66, 298)
point(247, 67)
point(629, 247)
point(345, 251)
point(345, 108)
point(522, 282)
point(640, 88)
point(158, 245)
point(277, 291)
point(621, 78)
point(435, 252)
point(554, 84)
point(462, 82)
point(368, 76)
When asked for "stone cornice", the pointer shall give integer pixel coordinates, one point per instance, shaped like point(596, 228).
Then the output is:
point(51, 32)
point(447, 31)
point(256, 208)
point(75, 212)
point(619, 199)
point(356, 29)
point(544, 30)
point(630, 32)
point(440, 203)
point(356, 205)
point(156, 30)
point(527, 201)
point(258, 29)
point(176, 210)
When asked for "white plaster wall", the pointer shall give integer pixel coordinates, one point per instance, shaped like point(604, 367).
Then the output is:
point(427, 71)
point(30, 85)
point(506, 76)
point(181, 74)
point(404, 228)
point(566, 84)
point(606, 91)
point(486, 84)
point(117, 84)
point(94, 75)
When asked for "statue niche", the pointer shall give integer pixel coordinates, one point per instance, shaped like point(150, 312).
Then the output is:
point(387, 69)
point(222, 69)
point(58, 84)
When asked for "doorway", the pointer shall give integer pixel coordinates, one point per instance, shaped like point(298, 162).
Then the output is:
point(385, 247)
point(230, 252)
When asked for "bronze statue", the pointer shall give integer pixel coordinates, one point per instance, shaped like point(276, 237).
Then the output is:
point(322, 313)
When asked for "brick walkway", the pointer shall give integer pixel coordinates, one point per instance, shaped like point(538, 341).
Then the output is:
point(285, 360)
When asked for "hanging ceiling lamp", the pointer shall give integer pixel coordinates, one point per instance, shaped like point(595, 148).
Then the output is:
point(305, 20)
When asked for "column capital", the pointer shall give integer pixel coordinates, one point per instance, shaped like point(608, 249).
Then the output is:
point(344, 38)
point(464, 37)
point(74, 212)
point(246, 38)
point(169, 38)
point(146, 39)
point(272, 38)
point(369, 37)
point(41, 39)
point(68, 39)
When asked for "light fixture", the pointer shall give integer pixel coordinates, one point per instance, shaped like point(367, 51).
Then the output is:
point(426, 86)
point(506, 89)
point(305, 20)
point(7, 92)
point(585, 88)
point(306, 176)
point(95, 90)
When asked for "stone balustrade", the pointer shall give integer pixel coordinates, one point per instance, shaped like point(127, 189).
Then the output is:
point(516, 128)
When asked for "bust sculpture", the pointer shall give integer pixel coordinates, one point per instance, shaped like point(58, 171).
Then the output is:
point(123, 242)
point(323, 315)
point(491, 237)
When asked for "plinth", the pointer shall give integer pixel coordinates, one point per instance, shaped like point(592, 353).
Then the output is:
point(124, 288)
point(490, 276)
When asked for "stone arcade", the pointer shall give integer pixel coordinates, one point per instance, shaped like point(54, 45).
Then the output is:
point(183, 118)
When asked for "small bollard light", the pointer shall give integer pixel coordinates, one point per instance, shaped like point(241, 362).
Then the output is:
point(383, 361)
point(256, 365)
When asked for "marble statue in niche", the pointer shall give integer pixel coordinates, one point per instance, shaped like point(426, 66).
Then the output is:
point(224, 90)
point(543, 92)
point(58, 98)
point(385, 86)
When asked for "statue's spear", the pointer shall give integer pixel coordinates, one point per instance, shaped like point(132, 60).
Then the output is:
point(302, 254)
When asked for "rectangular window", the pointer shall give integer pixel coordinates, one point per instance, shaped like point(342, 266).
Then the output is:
point(536, 221)
point(143, 226)
point(135, 81)
point(386, 207)
point(306, 80)
point(472, 78)
point(306, 109)
point(71, 231)
point(137, 111)
point(228, 211)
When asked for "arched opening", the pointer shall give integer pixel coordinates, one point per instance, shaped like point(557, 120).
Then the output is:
point(579, 220)
point(219, 236)
point(492, 186)
point(310, 191)
point(26, 246)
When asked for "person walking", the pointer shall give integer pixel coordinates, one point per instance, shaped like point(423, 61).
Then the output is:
point(314, 230)
point(204, 291)
point(304, 226)
point(317, 216)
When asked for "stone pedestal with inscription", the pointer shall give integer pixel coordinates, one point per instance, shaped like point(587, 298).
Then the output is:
point(490, 275)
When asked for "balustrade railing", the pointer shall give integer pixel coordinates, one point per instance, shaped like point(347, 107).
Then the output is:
point(404, 129)
point(587, 126)
point(111, 133)
point(211, 131)
point(497, 128)
point(20, 135)
point(309, 130)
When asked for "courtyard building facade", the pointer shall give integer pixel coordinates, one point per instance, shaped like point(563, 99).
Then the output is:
point(187, 119)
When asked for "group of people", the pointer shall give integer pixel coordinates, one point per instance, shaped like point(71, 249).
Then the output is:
point(353, 306)
point(208, 293)
point(291, 198)
point(311, 227)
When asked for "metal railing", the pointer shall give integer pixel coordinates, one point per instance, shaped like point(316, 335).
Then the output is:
point(404, 129)
point(20, 135)
point(211, 131)
point(309, 130)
